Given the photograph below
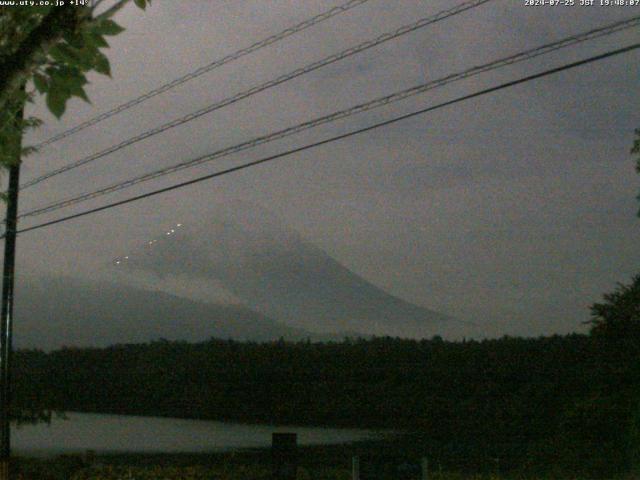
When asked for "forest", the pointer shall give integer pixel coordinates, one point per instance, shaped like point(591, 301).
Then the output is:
point(559, 403)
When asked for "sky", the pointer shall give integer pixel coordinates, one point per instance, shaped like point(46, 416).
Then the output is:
point(515, 211)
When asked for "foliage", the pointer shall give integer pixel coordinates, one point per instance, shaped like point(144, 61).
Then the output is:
point(531, 403)
point(616, 403)
point(54, 47)
point(70, 467)
point(170, 473)
point(636, 151)
point(110, 468)
point(619, 315)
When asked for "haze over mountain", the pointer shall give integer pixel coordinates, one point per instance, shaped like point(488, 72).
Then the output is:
point(56, 312)
point(271, 269)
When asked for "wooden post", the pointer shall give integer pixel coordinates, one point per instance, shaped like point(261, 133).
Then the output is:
point(355, 468)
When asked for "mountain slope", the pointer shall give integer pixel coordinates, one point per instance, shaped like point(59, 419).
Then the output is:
point(273, 270)
point(53, 312)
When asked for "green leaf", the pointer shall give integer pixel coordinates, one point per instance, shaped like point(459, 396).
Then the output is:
point(28, 151)
point(102, 64)
point(74, 57)
point(65, 54)
point(95, 40)
point(67, 79)
point(87, 56)
point(56, 101)
point(74, 39)
point(41, 82)
point(31, 122)
point(107, 27)
point(140, 4)
point(79, 92)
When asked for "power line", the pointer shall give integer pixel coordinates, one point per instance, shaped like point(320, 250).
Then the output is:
point(338, 137)
point(207, 68)
point(423, 22)
point(376, 103)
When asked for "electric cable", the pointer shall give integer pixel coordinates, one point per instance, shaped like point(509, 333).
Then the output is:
point(206, 68)
point(372, 104)
point(244, 166)
point(259, 88)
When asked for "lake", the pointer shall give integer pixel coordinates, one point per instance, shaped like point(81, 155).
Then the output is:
point(120, 433)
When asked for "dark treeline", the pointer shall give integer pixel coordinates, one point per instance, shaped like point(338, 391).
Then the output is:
point(562, 403)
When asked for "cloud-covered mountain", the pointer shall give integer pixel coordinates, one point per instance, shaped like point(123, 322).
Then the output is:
point(272, 270)
point(52, 312)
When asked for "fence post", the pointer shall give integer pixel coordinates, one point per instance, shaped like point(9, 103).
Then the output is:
point(355, 468)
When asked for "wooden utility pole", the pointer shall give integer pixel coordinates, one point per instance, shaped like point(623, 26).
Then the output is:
point(6, 318)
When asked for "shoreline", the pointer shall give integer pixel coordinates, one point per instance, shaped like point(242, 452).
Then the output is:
point(106, 434)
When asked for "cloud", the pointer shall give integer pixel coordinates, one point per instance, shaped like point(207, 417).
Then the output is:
point(517, 207)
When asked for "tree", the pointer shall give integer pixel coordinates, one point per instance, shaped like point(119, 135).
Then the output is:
point(619, 315)
point(54, 47)
point(636, 151)
point(616, 332)
point(615, 328)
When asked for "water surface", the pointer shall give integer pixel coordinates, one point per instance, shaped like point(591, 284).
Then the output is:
point(124, 433)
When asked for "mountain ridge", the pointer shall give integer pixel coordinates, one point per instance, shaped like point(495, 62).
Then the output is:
point(273, 270)
point(52, 312)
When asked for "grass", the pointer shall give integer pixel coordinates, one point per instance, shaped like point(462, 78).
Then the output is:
point(221, 472)
point(315, 463)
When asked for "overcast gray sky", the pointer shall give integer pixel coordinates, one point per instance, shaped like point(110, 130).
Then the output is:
point(515, 210)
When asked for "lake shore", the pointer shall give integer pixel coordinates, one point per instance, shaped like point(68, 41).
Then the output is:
point(117, 434)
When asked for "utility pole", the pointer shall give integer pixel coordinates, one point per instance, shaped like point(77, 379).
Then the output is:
point(6, 318)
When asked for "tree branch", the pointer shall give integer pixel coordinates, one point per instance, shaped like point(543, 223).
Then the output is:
point(22, 62)
point(113, 9)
